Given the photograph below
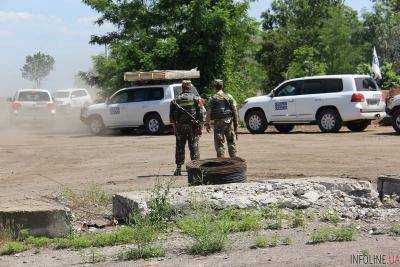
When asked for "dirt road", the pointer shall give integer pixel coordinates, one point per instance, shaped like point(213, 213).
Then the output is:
point(39, 162)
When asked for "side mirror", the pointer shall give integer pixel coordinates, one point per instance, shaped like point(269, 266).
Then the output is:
point(10, 99)
point(272, 94)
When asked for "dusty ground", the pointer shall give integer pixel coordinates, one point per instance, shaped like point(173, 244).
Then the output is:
point(34, 163)
point(37, 162)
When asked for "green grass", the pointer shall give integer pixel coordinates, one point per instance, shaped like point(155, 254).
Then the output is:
point(333, 235)
point(274, 241)
point(13, 248)
point(145, 252)
point(330, 215)
point(92, 256)
point(286, 241)
point(395, 230)
point(38, 242)
point(94, 195)
point(273, 212)
point(213, 241)
point(298, 219)
point(260, 242)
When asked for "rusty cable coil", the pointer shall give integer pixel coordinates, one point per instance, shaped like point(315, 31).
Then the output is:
point(216, 171)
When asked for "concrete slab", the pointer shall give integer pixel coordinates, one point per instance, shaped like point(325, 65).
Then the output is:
point(39, 220)
point(388, 185)
point(290, 193)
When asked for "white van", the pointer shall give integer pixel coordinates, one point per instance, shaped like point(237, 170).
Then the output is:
point(133, 107)
point(330, 101)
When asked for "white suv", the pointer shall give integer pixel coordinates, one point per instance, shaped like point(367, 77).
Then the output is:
point(72, 98)
point(133, 107)
point(329, 101)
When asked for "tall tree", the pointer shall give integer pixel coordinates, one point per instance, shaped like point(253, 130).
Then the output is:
point(327, 34)
point(214, 36)
point(37, 67)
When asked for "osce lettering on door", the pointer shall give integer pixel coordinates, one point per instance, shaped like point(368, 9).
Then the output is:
point(114, 111)
point(281, 106)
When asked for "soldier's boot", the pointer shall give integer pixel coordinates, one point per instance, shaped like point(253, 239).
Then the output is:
point(178, 170)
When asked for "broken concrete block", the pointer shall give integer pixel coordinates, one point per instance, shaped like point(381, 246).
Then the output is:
point(39, 221)
point(388, 184)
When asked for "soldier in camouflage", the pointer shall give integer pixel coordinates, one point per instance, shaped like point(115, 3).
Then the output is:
point(187, 117)
point(223, 113)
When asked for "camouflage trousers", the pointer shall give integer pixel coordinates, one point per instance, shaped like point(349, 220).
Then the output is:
point(186, 133)
point(224, 131)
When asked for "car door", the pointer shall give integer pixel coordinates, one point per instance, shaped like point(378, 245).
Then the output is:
point(117, 109)
point(134, 108)
point(316, 93)
point(283, 103)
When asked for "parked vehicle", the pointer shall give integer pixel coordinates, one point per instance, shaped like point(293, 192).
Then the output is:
point(32, 106)
point(393, 109)
point(72, 98)
point(329, 101)
point(146, 106)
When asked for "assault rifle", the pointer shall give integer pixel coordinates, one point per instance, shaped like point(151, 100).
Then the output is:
point(193, 120)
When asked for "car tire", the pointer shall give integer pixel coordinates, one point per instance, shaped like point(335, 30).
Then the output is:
point(256, 123)
point(396, 121)
point(284, 128)
point(329, 121)
point(96, 125)
point(154, 125)
point(359, 126)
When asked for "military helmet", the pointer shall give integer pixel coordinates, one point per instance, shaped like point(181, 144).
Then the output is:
point(218, 83)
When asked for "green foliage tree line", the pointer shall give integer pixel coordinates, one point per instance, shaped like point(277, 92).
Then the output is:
point(295, 38)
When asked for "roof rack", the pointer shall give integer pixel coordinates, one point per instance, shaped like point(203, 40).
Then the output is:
point(161, 75)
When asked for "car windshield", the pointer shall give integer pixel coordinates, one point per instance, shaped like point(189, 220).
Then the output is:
point(33, 96)
point(62, 94)
point(366, 84)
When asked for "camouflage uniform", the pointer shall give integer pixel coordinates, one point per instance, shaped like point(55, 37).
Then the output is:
point(223, 112)
point(185, 131)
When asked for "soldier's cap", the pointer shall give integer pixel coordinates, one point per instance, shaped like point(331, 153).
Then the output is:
point(218, 82)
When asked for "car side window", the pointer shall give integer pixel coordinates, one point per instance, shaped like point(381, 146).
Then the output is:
point(120, 97)
point(366, 84)
point(154, 94)
point(289, 89)
point(322, 86)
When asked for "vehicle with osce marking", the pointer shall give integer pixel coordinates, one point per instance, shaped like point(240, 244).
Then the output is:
point(330, 101)
point(393, 110)
point(32, 106)
point(133, 107)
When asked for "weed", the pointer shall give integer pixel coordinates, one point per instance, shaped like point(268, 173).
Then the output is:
point(298, 219)
point(274, 241)
point(209, 242)
point(273, 212)
point(333, 235)
point(274, 225)
point(235, 220)
point(13, 248)
point(92, 256)
point(364, 252)
point(330, 215)
point(286, 241)
point(38, 242)
point(145, 252)
point(94, 195)
point(260, 242)
point(395, 229)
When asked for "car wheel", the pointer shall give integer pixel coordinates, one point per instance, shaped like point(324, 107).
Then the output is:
point(359, 126)
point(329, 121)
point(154, 125)
point(256, 122)
point(396, 121)
point(284, 128)
point(96, 125)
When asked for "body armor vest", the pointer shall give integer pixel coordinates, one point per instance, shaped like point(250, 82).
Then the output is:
point(188, 103)
point(220, 108)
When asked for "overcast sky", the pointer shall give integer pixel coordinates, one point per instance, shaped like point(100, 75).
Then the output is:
point(61, 28)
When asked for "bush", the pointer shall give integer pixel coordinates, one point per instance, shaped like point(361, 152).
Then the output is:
point(330, 215)
point(333, 235)
point(13, 248)
point(260, 242)
point(298, 219)
point(209, 242)
point(145, 252)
